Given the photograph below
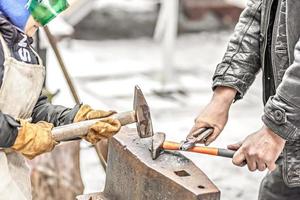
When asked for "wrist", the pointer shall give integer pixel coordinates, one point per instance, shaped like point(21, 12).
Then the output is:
point(224, 95)
point(273, 134)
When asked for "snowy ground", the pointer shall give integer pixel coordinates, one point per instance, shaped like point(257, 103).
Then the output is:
point(106, 72)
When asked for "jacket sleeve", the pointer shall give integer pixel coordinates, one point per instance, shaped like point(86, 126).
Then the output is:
point(58, 115)
point(282, 111)
point(8, 130)
point(8, 125)
point(241, 61)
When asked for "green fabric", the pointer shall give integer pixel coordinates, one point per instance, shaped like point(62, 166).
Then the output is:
point(43, 11)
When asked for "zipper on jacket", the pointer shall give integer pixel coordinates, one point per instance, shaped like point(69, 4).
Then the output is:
point(265, 35)
point(274, 36)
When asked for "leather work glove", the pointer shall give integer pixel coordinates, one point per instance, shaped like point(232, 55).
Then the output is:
point(87, 113)
point(103, 129)
point(34, 139)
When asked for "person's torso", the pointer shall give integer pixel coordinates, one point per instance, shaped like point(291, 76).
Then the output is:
point(278, 39)
point(22, 76)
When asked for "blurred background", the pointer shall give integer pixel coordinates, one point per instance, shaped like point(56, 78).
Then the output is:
point(170, 49)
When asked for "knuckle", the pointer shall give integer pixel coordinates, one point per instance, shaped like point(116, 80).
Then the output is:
point(198, 120)
point(244, 149)
point(268, 159)
point(261, 156)
point(251, 153)
point(255, 154)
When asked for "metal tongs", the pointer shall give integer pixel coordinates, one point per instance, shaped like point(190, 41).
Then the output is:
point(200, 135)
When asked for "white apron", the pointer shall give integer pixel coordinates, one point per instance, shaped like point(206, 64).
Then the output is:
point(21, 86)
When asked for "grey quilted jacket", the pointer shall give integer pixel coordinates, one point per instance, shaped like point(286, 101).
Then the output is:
point(251, 49)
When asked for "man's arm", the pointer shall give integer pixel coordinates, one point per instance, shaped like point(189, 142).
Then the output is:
point(55, 114)
point(242, 58)
point(282, 123)
point(234, 74)
point(282, 111)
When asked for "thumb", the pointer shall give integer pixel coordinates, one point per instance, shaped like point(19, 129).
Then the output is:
point(235, 146)
point(239, 159)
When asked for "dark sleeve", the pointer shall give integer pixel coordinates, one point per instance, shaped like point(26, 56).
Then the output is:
point(8, 130)
point(282, 111)
point(9, 32)
point(241, 61)
point(8, 125)
point(58, 115)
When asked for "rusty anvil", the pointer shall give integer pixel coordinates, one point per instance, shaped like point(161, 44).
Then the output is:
point(133, 175)
point(139, 115)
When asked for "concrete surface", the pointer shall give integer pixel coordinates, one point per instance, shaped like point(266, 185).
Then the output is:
point(105, 73)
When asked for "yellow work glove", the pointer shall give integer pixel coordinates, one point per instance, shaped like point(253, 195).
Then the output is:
point(34, 139)
point(87, 113)
point(103, 129)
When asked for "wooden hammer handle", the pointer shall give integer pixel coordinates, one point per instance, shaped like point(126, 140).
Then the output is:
point(77, 130)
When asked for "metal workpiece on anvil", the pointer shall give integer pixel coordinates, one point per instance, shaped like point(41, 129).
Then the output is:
point(133, 175)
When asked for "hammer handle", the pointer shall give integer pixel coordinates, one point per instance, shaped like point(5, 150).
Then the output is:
point(77, 130)
point(167, 145)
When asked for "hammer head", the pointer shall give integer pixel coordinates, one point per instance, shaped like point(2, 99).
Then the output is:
point(157, 142)
point(142, 112)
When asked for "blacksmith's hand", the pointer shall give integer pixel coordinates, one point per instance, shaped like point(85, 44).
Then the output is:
point(34, 139)
point(260, 150)
point(214, 115)
point(87, 113)
point(103, 129)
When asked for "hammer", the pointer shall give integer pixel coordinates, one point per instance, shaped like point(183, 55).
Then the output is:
point(159, 144)
point(139, 115)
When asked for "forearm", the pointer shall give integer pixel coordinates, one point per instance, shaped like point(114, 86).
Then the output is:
point(224, 95)
point(241, 61)
point(55, 114)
